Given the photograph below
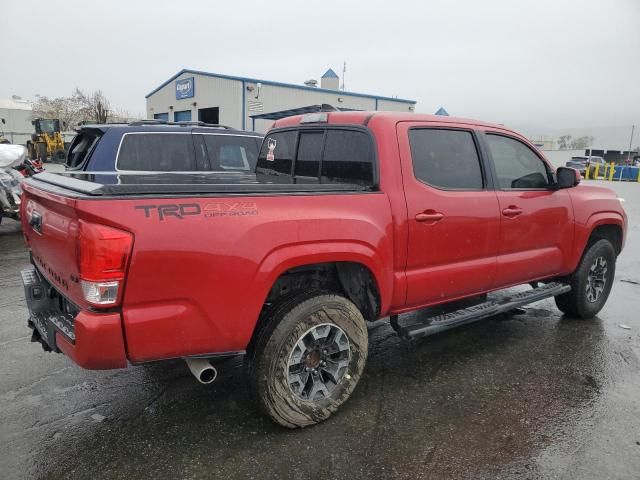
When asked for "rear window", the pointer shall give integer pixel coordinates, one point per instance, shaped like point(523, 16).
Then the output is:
point(80, 148)
point(157, 152)
point(277, 153)
point(348, 158)
point(319, 156)
point(231, 152)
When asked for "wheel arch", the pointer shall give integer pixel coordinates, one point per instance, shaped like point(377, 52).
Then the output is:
point(602, 225)
point(351, 269)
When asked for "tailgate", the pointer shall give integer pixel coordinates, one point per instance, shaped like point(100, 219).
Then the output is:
point(50, 227)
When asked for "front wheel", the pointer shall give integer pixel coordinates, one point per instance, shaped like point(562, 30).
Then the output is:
point(591, 282)
point(308, 359)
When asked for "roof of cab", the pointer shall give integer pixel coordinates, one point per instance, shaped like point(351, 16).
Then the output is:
point(365, 117)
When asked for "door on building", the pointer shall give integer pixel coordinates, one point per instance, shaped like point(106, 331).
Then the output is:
point(161, 116)
point(209, 115)
point(182, 116)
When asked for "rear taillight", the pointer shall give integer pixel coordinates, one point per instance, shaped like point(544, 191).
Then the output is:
point(103, 254)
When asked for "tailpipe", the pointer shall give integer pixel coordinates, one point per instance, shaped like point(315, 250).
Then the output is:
point(202, 370)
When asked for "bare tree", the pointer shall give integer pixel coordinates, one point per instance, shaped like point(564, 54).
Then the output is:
point(69, 110)
point(582, 142)
point(80, 106)
point(564, 141)
point(96, 106)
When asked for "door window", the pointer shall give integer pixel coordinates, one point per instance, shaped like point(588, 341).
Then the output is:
point(445, 158)
point(516, 165)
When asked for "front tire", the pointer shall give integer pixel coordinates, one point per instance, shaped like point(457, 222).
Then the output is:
point(591, 282)
point(308, 359)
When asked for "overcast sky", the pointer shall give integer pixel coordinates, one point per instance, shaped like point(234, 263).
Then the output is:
point(549, 63)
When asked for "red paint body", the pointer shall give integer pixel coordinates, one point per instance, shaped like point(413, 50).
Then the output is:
point(196, 285)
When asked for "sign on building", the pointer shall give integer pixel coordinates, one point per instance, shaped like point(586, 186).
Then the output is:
point(185, 88)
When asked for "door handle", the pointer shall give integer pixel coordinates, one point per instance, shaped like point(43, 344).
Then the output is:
point(512, 211)
point(429, 216)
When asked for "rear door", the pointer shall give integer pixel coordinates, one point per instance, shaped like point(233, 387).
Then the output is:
point(536, 219)
point(453, 219)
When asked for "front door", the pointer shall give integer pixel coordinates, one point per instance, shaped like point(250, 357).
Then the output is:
point(536, 219)
point(453, 219)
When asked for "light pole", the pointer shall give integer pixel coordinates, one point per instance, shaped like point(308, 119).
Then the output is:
point(633, 127)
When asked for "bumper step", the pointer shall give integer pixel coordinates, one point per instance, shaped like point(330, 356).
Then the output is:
point(45, 317)
point(499, 302)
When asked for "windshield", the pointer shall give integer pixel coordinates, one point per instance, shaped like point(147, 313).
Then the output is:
point(47, 126)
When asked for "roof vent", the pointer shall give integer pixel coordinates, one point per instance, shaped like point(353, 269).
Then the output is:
point(311, 83)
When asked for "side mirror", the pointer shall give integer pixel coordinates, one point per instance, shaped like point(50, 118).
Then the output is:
point(567, 177)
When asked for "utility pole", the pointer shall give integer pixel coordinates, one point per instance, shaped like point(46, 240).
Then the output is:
point(633, 127)
point(344, 70)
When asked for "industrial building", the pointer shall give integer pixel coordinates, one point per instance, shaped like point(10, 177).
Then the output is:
point(15, 120)
point(252, 104)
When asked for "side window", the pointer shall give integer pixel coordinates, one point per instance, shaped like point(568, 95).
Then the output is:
point(516, 165)
point(231, 152)
point(277, 153)
point(445, 158)
point(348, 158)
point(156, 152)
point(309, 154)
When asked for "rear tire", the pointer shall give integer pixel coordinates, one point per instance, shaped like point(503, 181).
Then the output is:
point(308, 358)
point(591, 282)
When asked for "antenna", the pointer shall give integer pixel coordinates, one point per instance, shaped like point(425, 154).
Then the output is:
point(344, 69)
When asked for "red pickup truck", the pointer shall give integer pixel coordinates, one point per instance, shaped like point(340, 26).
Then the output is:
point(349, 217)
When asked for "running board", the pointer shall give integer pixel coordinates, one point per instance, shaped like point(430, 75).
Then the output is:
point(496, 304)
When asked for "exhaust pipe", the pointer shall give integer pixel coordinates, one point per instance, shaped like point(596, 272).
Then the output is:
point(202, 369)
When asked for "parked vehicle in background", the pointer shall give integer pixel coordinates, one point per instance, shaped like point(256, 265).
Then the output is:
point(163, 147)
point(581, 164)
point(11, 158)
point(350, 217)
point(47, 142)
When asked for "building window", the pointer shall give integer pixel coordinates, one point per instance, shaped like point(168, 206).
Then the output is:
point(161, 116)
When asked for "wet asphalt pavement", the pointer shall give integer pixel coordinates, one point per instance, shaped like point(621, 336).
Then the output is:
point(534, 395)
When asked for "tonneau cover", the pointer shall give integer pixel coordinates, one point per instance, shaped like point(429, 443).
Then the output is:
point(122, 184)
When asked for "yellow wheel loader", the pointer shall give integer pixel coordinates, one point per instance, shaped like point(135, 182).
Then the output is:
point(47, 143)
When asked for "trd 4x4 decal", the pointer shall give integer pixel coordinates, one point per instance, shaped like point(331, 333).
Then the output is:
point(230, 209)
point(216, 209)
point(177, 210)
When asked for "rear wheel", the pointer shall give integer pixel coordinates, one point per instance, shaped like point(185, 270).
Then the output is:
point(591, 282)
point(308, 359)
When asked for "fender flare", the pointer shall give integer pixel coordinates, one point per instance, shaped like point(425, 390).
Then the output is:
point(584, 231)
point(290, 256)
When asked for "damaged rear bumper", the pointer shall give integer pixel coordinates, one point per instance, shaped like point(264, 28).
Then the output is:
point(92, 340)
